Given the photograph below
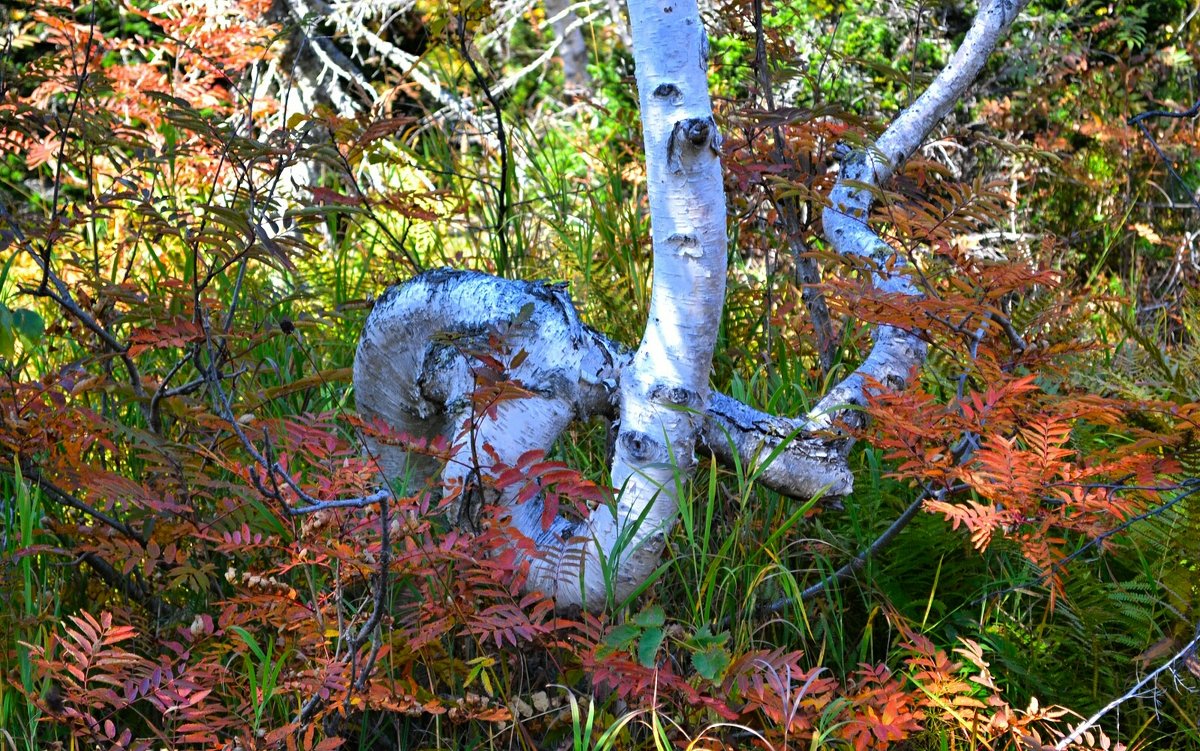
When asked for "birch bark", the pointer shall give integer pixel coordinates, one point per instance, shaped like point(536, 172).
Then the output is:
point(665, 388)
point(896, 352)
point(407, 373)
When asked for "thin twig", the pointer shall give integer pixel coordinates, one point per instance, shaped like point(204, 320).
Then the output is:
point(275, 473)
point(1091, 721)
point(399, 243)
point(274, 469)
point(807, 272)
point(1189, 112)
point(502, 189)
point(64, 498)
point(62, 150)
point(161, 392)
point(1140, 122)
point(1014, 337)
point(381, 583)
point(852, 566)
point(61, 295)
point(382, 580)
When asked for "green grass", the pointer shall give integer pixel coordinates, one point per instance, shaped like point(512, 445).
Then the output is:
point(578, 214)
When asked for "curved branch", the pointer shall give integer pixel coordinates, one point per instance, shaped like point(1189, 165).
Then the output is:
point(896, 352)
point(413, 370)
point(1188, 650)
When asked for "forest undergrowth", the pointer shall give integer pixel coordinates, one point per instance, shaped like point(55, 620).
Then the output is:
point(187, 263)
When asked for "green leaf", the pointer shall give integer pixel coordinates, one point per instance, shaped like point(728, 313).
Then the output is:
point(622, 637)
point(472, 675)
point(651, 617)
point(711, 663)
point(29, 325)
point(648, 646)
point(704, 638)
point(251, 642)
point(8, 339)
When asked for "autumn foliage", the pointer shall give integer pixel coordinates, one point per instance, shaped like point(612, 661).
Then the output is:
point(187, 264)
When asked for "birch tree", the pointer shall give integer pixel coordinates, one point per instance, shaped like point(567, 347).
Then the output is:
point(412, 371)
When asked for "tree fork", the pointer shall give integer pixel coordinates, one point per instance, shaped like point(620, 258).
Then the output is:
point(412, 372)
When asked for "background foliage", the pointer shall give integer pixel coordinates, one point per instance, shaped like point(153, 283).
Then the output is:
point(187, 262)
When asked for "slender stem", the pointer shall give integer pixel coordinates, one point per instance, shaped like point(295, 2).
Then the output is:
point(502, 190)
point(62, 149)
point(807, 274)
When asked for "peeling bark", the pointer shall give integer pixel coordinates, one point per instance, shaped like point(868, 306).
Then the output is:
point(411, 371)
point(411, 368)
point(896, 353)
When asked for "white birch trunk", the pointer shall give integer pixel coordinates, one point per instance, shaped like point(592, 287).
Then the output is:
point(410, 369)
point(410, 372)
point(665, 388)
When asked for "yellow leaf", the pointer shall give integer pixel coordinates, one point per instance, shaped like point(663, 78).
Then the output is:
point(1147, 233)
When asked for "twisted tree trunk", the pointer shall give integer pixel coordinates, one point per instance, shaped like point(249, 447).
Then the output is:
point(411, 370)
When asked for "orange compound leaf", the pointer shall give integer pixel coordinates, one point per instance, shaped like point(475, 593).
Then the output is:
point(980, 520)
point(178, 333)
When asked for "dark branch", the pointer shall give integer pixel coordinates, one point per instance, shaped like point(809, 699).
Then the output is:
point(1140, 122)
point(62, 497)
point(502, 265)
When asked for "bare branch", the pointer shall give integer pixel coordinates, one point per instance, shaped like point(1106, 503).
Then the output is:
point(1140, 122)
point(34, 475)
point(274, 469)
point(61, 295)
point(1090, 722)
point(807, 273)
point(501, 228)
point(1179, 115)
point(82, 77)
